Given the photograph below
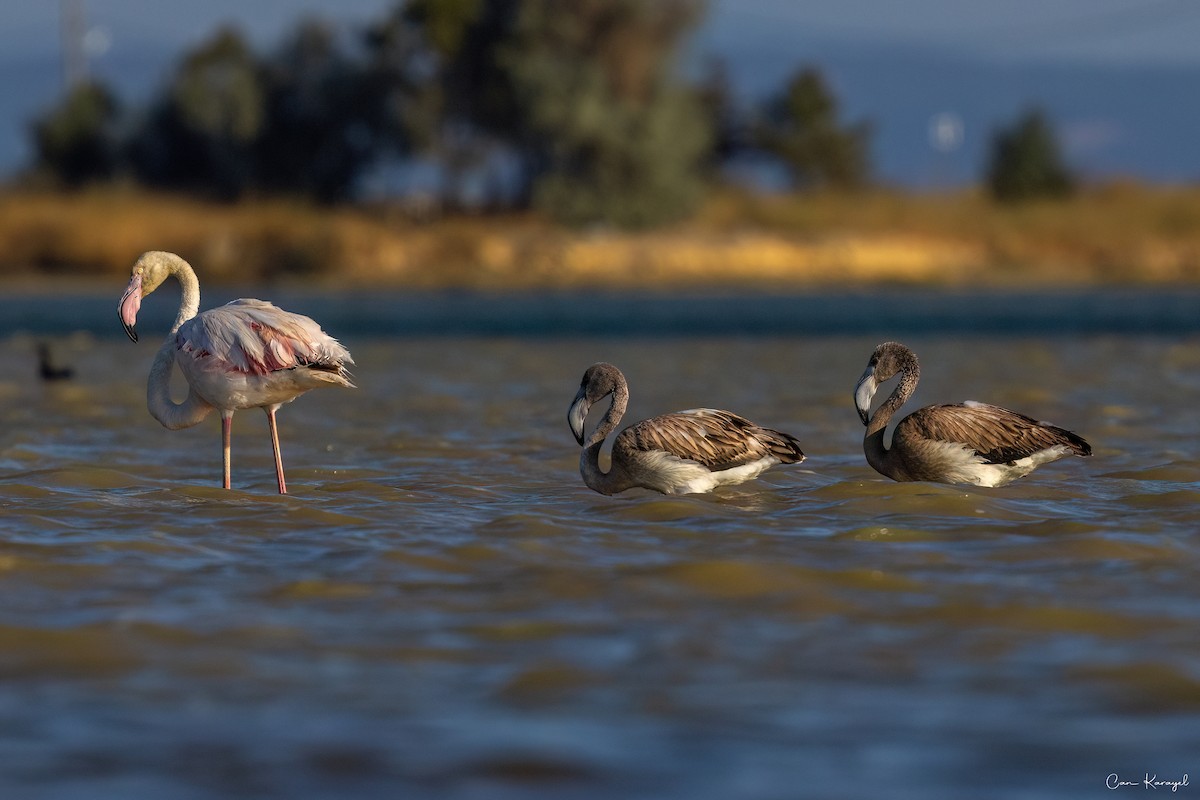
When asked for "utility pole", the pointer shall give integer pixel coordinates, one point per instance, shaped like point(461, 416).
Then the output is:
point(72, 29)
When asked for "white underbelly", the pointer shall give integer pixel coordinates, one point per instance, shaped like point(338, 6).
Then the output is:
point(673, 475)
point(962, 465)
point(232, 389)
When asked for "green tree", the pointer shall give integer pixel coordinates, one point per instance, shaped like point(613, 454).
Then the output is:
point(401, 70)
point(465, 38)
point(200, 135)
point(322, 118)
point(716, 96)
point(801, 127)
point(1025, 162)
point(448, 99)
point(78, 141)
point(609, 132)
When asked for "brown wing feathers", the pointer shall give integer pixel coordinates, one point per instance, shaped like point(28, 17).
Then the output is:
point(1000, 436)
point(716, 439)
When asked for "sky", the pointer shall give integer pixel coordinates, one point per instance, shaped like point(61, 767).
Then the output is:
point(1103, 32)
point(1117, 76)
point(1095, 31)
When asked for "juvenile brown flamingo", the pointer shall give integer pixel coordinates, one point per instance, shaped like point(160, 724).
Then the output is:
point(966, 442)
point(688, 451)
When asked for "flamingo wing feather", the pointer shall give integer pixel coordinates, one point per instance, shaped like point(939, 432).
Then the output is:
point(998, 435)
point(711, 437)
point(257, 337)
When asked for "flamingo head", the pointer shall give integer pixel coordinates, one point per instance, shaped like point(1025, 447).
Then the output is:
point(888, 360)
point(148, 273)
point(599, 381)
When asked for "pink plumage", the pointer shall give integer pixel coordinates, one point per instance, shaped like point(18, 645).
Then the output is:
point(244, 354)
point(257, 337)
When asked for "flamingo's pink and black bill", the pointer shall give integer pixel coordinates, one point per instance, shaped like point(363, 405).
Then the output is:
point(127, 308)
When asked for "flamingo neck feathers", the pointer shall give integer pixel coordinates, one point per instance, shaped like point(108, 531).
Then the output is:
point(189, 285)
point(880, 457)
point(194, 408)
point(616, 479)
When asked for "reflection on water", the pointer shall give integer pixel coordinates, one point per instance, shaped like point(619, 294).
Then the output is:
point(442, 609)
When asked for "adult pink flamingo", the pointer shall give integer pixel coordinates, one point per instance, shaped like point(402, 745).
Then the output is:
point(245, 354)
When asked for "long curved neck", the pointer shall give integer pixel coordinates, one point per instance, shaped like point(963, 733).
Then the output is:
point(194, 408)
point(615, 480)
point(189, 300)
point(877, 454)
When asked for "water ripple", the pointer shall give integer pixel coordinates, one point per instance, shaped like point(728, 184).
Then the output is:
point(441, 608)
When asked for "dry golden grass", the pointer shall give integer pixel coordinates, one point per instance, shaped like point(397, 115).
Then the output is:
point(1118, 233)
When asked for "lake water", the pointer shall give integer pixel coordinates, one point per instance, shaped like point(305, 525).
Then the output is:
point(442, 609)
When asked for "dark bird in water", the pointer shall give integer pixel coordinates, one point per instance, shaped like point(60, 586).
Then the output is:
point(688, 451)
point(966, 442)
point(47, 368)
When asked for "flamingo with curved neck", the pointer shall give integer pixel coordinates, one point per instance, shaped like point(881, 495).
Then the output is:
point(967, 442)
point(688, 451)
point(245, 354)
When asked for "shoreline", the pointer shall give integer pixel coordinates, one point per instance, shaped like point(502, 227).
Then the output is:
point(885, 312)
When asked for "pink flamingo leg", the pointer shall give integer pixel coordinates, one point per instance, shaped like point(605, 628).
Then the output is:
point(226, 436)
point(275, 447)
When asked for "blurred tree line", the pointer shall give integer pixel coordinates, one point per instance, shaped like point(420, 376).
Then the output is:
point(578, 109)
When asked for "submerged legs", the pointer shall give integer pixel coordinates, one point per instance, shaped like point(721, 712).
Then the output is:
point(275, 447)
point(226, 436)
point(226, 431)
